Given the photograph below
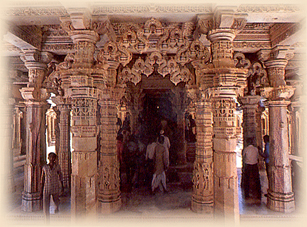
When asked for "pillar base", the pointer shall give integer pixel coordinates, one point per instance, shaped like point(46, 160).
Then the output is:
point(31, 202)
point(281, 202)
point(202, 207)
point(107, 206)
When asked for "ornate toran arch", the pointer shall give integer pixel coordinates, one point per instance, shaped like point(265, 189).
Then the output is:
point(170, 47)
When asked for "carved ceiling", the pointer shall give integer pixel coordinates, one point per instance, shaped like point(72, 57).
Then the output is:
point(165, 35)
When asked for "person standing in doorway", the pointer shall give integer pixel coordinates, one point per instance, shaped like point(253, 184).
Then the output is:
point(51, 184)
point(251, 171)
point(160, 165)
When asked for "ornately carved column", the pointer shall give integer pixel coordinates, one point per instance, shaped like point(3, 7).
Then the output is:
point(203, 189)
point(35, 123)
point(64, 152)
point(109, 196)
point(280, 194)
point(83, 125)
point(225, 83)
point(224, 128)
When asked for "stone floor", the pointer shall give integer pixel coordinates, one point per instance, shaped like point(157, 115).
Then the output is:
point(140, 207)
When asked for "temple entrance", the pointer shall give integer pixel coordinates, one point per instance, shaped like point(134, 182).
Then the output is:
point(159, 110)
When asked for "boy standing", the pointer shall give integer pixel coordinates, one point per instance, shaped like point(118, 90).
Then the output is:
point(52, 184)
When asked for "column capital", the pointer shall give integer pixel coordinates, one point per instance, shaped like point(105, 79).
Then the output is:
point(32, 94)
point(84, 36)
point(60, 101)
point(278, 93)
point(221, 34)
point(223, 18)
point(250, 100)
point(79, 18)
point(35, 58)
point(279, 53)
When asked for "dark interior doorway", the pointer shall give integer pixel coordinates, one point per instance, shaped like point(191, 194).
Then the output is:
point(157, 113)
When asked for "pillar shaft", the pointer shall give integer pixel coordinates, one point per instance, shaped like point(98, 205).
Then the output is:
point(64, 153)
point(225, 169)
point(181, 152)
point(84, 156)
point(36, 106)
point(83, 124)
point(109, 196)
point(224, 124)
point(280, 195)
point(202, 197)
point(35, 155)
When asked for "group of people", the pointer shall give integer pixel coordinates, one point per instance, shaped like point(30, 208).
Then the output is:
point(143, 163)
point(250, 177)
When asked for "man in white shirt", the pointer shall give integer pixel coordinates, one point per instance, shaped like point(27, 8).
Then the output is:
point(251, 172)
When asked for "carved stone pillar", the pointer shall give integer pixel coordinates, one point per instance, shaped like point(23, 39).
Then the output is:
point(250, 122)
point(228, 83)
point(225, 82)
point(35, 123)
point(280, 195)
point(181, 153)
point(84, 155)
point(224, 145)
point(109, 196)
point(179, 104)
point(202, 197)
point(64, 152)
point(83, 125)
point(16, 137)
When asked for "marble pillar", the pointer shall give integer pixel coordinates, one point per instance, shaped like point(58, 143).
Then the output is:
point(109, 196)
point(64, 151)
point(228, 83)
point(35, 153)
point(280, 195)
point(35, 123)
point(83, 124)
point(203, 188)
point(84, 156)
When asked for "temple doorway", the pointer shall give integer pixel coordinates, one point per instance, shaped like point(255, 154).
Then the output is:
point(159, 110)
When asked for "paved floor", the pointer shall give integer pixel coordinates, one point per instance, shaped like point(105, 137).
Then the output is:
point(140, 207)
